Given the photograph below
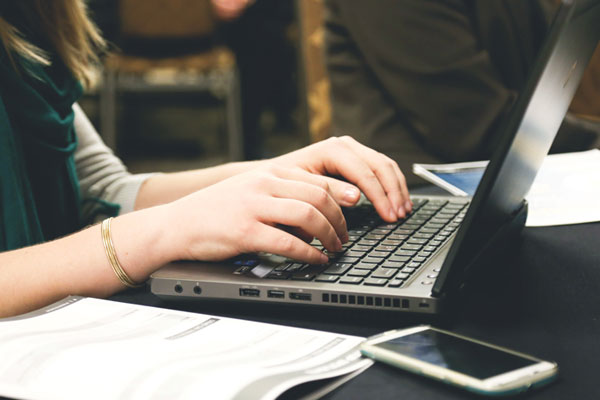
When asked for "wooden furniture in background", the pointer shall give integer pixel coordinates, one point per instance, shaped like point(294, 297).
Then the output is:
point(587, 99)
point(315, 83)
point(211, 70)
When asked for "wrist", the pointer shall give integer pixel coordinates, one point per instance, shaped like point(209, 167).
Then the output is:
point(144, 241)
point(239, 167)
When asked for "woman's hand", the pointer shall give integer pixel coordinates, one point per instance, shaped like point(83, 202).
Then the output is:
point(281, 205)
point(246, 212)
point(378, 176)
point(375, 174)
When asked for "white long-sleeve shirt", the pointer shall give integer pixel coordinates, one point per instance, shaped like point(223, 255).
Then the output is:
point(102, 175)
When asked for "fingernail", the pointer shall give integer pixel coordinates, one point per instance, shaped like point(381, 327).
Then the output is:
point(393, 215)
point(345, 238)
point(323, 259)
point(401, 212)
point(408, 206)
point(338, 244)
point(351, 194)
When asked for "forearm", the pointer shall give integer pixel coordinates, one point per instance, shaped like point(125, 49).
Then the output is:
point(164, 188)
point(103, 176)
point(35, 276)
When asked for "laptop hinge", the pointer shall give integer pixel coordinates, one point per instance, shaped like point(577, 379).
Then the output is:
point(493, 249)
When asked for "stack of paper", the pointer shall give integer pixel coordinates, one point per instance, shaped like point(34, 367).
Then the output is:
point(83, 348)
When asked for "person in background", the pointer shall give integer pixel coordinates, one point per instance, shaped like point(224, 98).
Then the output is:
point(228, 10)
point(257, 32)
point(430, 81)
point(57, 177)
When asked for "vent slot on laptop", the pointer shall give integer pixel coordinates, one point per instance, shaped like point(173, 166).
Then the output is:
point(372, 301)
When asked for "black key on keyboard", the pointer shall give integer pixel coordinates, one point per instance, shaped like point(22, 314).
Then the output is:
point(346, 260)
point(327, 278)
point(399, 259)
point(308, 276)
point(366, 266)
point(396, 283)
point(355, 253)
point(379, 254)
point(358, 272)
point(278, 275)
point(367, 242)
point(375, 282)
point(351, 280)
point(372, 260)
point(385, 273)
point(391, 264)
point(337, 269)
point(359, 247)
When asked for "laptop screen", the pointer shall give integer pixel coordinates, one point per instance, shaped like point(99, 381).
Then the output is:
point(528, 133)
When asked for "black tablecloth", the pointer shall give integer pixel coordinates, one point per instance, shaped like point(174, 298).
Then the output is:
point(547, 304)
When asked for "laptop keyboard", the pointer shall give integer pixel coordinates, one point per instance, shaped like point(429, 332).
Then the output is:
point(378, 253)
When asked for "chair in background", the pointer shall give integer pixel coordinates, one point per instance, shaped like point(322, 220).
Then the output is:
point(186, 62)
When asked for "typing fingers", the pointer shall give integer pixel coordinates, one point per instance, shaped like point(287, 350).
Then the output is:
point(314, 220)
point(278, 241)
point(311, 209)
point(355, 167)
point(298, 232)
point(388, 173)
point(344, 193)
point(408, 204)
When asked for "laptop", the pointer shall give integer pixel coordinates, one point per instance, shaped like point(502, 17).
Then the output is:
point(417, 264)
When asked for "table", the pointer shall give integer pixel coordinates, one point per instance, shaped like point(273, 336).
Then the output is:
point(550, 308)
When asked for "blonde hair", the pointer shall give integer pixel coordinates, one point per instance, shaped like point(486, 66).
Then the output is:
point(74, 36)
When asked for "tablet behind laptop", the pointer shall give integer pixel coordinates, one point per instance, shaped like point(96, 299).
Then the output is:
point(416, 264)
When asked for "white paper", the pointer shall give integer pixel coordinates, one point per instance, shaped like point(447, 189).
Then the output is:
point(99, 349)
point(566, 189)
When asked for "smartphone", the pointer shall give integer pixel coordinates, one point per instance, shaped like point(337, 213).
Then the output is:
point(471, 364)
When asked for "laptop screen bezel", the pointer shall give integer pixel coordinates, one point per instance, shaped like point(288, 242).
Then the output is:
point(484, 217)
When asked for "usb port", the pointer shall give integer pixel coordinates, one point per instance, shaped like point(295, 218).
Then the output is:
point(250, 292)
point(300, 296)
point(276, 294)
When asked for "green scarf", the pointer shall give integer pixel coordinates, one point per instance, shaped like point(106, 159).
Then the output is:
point(39, 190)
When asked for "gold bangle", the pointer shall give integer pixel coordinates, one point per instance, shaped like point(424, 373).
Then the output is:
point(111, 254)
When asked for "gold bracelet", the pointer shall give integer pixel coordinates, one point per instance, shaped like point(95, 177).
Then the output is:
point(111, 254)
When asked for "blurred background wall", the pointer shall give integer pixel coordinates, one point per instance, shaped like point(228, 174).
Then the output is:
point(193, 83)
